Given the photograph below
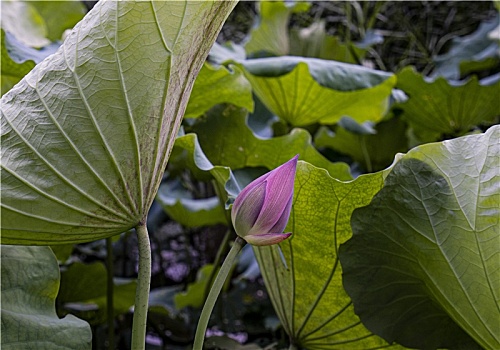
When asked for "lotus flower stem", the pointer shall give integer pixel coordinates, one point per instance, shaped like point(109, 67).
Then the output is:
point(218, 258)
point(109, 293)
point(142, 291)
point(215, 291)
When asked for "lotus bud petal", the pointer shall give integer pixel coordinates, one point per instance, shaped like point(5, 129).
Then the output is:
point(261, 211)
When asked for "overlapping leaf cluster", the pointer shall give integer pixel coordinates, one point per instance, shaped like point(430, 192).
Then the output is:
point(415, 236)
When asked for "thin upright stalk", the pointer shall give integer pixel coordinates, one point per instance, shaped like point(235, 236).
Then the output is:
point(142, 291)
point(218, 258)
point(109, 293)
point(215, 291)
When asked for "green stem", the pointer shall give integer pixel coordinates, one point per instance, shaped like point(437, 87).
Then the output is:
point(218, 258)
point(109, 292)
point(142, 291)
point(214, 292)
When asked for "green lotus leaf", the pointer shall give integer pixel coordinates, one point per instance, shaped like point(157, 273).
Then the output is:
point(218, 85)
point(30, 281)
point(87, 133)
point(304, 91)
point(223, 142)
point(226, 140)
point(422, 267)
point(303, 275)
point(437, 107)
point(270, 33)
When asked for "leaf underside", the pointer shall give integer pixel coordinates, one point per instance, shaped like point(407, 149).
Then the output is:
point(423, 265)
point(87, 133)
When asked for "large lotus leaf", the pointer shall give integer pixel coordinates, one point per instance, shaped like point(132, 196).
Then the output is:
point(437, 107)
point(374, 152)
point(226, 140)
point(476, 51)
point(424, 259)
point(305, 282)
point(305, 91)
point(30, 281)
point(270, 33)
point(218, 85)
point(87, 133)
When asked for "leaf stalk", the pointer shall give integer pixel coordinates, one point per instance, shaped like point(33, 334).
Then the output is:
point(215, 291)
point(142, 291)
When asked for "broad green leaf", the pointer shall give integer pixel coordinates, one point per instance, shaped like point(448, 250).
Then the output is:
point(436, 107)
point(218, 85)
point(473, 52)
point(12, 71)
point(180, 205)
point(305, 91)
point(305, 285)
point(30, 281)
point(373, 152)
point(23, 20)
point(59, 15)
point(270, 33)
point(314, 42)
point(87, 133)
point(424, 259)
point(226, 140)
point(83, 292)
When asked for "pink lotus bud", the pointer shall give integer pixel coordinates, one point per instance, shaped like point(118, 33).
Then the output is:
point(260, 212)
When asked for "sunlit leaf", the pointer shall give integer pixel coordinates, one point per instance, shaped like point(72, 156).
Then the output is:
point(30, 281)
point(305, 283)
point(305, 91)
point(218, 85)
point(424, 259)
point(87, 133)
point(437, 107)
point(226, 140)
point(270, 33)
